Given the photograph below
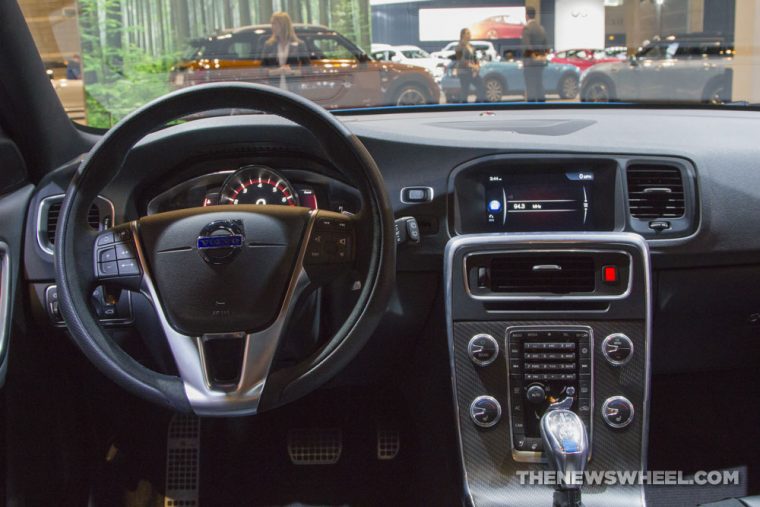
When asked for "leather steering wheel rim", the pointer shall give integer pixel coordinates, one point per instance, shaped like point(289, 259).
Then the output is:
point(74, 242)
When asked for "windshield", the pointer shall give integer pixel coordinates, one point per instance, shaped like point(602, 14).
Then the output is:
point(106, 58)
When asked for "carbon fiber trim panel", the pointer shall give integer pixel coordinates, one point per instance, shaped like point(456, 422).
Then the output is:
point(491, 473)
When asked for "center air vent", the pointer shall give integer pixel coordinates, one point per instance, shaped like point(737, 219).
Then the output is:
point(99, 217)
point(655, 191)
point(554, 274)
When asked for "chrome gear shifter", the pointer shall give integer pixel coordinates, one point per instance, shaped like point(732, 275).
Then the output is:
point(567, 447)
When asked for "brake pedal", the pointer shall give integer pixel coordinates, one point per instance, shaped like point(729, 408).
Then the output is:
point(315, 446)
point(388, 444)
point(183, 445)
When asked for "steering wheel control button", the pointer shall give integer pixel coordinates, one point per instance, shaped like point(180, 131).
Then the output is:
point(485, 411)
point(535, 394)
point(415, 195)
point(617, 349)
point(105, 239)
point(128, 267)
point(483, 349)
point(107, 269)
point(331, 242)
point(125, 251)
point(107, 255)
point(617, 412)
point(115, 254)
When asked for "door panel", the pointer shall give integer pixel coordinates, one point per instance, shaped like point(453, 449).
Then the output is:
point(14, 201)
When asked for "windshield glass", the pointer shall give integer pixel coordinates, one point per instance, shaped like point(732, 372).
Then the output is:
point(106, 58)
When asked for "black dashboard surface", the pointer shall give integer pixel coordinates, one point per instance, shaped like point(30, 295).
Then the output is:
point(422, 149)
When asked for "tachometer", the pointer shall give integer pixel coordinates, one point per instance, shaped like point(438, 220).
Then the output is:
point(257, 184)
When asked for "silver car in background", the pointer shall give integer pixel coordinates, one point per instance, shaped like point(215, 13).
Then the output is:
point(693, 68)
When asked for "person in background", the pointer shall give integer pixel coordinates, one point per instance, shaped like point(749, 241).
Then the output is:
point(534, 57)
point(74, 68)
point(284, 52)
point(467, 67)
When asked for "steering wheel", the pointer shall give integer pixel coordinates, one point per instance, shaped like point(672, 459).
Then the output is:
point(223, 321)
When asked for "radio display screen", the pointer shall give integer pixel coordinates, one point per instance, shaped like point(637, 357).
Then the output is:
point(552, 201)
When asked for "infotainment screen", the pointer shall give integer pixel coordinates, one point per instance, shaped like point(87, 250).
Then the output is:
point(550, 201)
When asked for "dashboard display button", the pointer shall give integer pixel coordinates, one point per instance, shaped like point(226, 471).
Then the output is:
point(617, 349)
point(483, 349)
point(617, 412)
point(485, 411)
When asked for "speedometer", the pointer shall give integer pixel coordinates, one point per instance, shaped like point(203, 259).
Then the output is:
point(257, 184)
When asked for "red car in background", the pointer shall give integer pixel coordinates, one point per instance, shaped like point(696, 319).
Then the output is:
point(497, 27)
point(585, 58)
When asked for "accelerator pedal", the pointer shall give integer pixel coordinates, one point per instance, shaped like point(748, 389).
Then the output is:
point(183, 445)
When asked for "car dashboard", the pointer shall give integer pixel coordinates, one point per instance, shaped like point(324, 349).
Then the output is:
point(567, 246)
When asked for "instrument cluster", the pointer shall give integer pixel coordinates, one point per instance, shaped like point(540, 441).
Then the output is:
point(257, 184)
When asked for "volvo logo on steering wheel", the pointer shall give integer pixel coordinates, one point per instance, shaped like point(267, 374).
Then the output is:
point(220, 241)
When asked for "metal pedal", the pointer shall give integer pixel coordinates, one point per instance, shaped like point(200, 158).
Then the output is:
point(183, 445)
point(315, 446)
point(388, 443)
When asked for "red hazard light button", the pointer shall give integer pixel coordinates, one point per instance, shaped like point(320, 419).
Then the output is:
point(610, 274)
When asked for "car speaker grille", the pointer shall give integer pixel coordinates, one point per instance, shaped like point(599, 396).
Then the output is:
point(655, 191)
point(555, 274)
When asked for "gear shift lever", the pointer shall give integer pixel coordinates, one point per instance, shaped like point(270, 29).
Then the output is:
point(566, 447)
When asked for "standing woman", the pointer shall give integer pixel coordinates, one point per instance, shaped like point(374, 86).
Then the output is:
point(467, 67)
point(284, 52)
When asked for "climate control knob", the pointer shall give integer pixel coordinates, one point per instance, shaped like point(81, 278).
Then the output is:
point(617, 412)
point(617, 349)
point(483, 349)
point(485, 411)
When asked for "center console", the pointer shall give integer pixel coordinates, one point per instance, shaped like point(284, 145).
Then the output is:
point(540, 320)
point(548, 300)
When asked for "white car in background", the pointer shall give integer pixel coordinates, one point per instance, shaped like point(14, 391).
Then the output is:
point(487, 51)
point(410, 55)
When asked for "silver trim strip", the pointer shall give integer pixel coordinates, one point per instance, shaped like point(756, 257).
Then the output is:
point(43, 208)
point(536, 297)
point(260, 347)
point(6, 299)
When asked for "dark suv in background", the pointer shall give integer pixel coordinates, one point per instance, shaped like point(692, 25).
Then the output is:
point(677, 68)
point(340, 74)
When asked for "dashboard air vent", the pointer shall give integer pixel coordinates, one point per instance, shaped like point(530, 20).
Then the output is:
point(93, 217)
point(555, 274)
point(655, 191)
point(52, 221)
point(98, 217)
